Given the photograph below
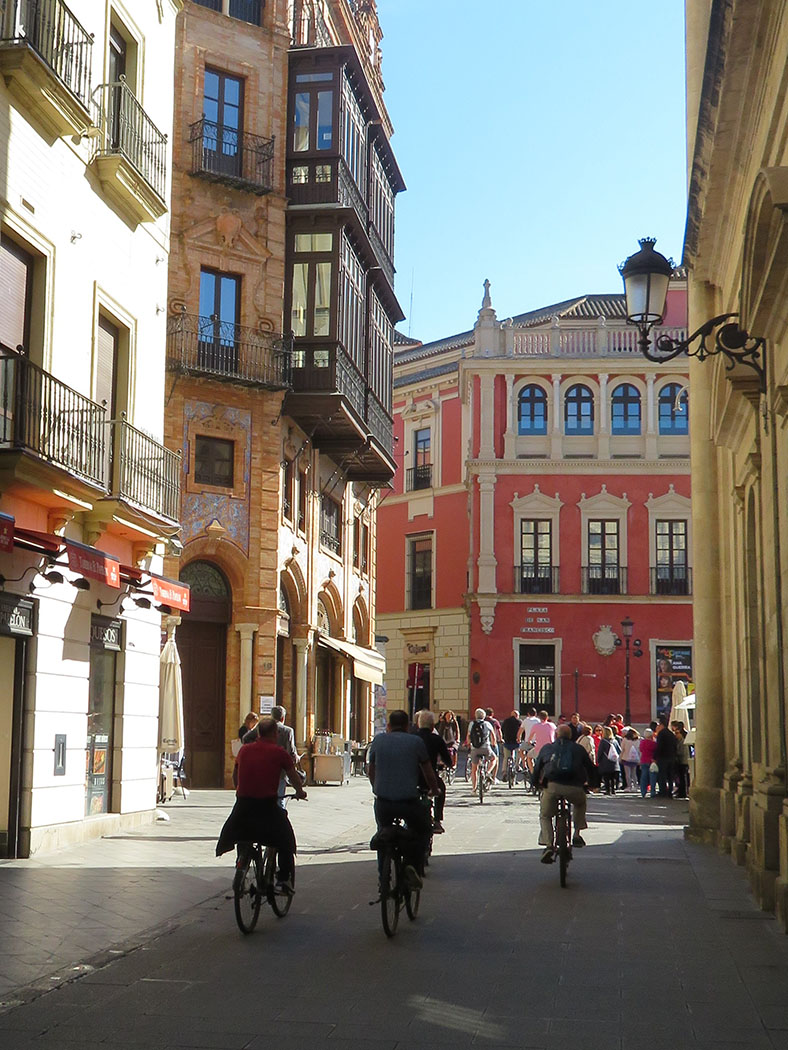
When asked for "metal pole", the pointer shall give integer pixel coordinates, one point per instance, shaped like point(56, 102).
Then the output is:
point(627, 714)
point(577, 679)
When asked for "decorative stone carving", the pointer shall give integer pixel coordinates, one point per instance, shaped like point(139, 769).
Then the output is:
point(605, 640)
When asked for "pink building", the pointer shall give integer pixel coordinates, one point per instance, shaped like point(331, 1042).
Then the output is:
point(542, 498)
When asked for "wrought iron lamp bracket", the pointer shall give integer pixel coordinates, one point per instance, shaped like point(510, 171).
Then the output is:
point(738, 346)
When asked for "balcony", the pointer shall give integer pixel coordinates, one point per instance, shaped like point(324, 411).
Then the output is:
point(326, 180)
point(45, 57)
point(671, 579)
point(330, 399)
point(205, 346)
point(131, 154)
point(418, 477)
point(604, 579)
point(52, 429)
point(536, 579)
point(231, 157)
point(143, 473)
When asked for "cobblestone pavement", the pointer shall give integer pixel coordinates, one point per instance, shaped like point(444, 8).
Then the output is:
point(131, 941)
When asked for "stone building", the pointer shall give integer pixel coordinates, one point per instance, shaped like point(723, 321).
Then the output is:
point(89, 494)
point(543, 498)
point(736, 253)
point(281, 313)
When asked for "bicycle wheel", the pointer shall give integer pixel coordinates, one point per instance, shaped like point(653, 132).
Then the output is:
point(280, 901)
point(389, 893)
point(511, 773)
point(247, 890)
point(481, 780)
point(563, 844)
point(412, 899)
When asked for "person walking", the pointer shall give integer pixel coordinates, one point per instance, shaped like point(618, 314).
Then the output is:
point(648, 767)
point(630, 759)
point(682, 760)
point(665, 757)
point(608, 760)
point(438, 751)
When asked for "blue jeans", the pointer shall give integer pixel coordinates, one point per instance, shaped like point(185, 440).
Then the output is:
point(647, 778)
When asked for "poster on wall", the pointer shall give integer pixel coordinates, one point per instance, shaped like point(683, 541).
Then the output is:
point(380, 714)
point(673, 664)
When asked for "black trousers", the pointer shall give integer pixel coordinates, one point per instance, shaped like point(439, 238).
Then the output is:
point(665, 776)
point(417, 817)
point(260, 820)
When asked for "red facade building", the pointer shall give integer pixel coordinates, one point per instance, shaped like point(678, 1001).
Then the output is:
point(542, 499)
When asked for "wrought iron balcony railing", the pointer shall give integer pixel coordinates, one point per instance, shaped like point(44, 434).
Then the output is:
point(418, 477)
point(604, 579)
point(328, 369)
point(144, 472)
point(208, 346)
point(52, 31)
point(671, 579)
point(330, 540)
point(232, 157)
point(42, 415)
point(127, 130)
point(379, 423)
point(536, 579)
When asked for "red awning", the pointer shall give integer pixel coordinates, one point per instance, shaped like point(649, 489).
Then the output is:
point(6, 533)
point(171, 592)
point(93, 563)
point(41, 542)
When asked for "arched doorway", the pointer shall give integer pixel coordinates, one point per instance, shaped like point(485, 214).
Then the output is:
point(202, 643)
point(285, 659)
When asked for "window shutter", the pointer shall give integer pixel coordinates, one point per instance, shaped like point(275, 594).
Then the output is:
point(106, 364)
point(15, 273)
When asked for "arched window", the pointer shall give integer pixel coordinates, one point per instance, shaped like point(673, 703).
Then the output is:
point(532, 410)
point(673, 409)
point(625, 410)
point(579, 410)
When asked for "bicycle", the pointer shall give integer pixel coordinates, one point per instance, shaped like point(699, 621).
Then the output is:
point(510, 773)
point(447, 774)
point(394, 891)
point(483, 779)
point(255, 881)
point(563, 838)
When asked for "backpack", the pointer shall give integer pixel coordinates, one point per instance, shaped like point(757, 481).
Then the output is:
point(562, 760)
point(476, 734)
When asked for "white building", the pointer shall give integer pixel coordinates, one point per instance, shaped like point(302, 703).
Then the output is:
point(88, 492)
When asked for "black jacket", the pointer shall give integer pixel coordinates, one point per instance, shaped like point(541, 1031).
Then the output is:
point(583, 769)
point(667, 746)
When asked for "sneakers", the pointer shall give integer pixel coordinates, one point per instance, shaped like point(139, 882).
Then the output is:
point(547, 857)
point(578, 840)
point(284, 886)
point(438, 828)
point(412, 878)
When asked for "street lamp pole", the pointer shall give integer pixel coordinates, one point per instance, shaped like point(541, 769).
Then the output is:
point(627, 627)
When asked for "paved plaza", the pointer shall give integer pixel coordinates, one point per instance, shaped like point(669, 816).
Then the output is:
point(131, 941)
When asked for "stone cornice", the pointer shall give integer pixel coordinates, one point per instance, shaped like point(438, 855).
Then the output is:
point(533, 467)
point(586, 599)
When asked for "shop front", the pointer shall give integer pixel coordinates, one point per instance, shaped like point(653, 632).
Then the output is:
point(105, 643)
point(17, 625)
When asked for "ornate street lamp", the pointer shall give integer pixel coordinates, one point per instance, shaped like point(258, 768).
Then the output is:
point(646, 276)
point(627, 627)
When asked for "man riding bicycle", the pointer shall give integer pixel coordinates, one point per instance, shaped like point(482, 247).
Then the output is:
point(256, 816)
point(481, 740)
point(438, 751)
point(512, 731)
point(562, 769)
point(394, 761)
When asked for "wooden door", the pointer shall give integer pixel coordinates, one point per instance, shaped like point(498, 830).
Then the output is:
point(202, 648)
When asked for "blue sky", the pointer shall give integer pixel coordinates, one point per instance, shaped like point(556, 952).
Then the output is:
point(538, 141)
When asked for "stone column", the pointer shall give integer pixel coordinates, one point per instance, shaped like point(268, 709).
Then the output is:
point(603, 441)
point(246, 631)
point(555, 437)
point(709, 742)
point(487, 563)
point(302, 647)
point(651, 419)
point(487, 416)
point(509, 437)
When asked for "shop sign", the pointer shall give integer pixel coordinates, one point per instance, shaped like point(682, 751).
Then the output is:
point(171, 593)
point(94, 564)
point(106, 633)
point(6, 533)
point(16, 615)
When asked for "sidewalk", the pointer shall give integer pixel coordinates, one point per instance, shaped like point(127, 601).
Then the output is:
point(655, 943)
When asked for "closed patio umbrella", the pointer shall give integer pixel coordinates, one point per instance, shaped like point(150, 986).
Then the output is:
point(677, 712)
point(170, 699)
